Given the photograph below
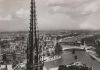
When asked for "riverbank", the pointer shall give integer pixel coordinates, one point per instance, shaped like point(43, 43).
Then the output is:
point(48, 59)
point(93, 55)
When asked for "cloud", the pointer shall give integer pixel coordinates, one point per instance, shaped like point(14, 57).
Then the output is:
point(51, 14)
point(73, 7)
point(6, 18)
point(90, 8)
point(88, 25)
point(63, 2)
point(1, 0)
point(22, 13)
point(91, 22)
point(59, 9)
point(1, 10)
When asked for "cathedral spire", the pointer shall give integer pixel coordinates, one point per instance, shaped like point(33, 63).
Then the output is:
point(33, 60)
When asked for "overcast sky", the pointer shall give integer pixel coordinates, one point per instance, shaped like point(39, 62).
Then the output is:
point(51, 14)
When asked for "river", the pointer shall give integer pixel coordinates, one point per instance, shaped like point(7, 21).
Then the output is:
point(68, 58)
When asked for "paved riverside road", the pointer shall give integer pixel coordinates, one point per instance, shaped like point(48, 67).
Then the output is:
point(68, 58)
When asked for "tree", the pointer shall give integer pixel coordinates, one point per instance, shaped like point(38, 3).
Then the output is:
point(73, 67)
point(14, 56)
point(4, 58)
point(58, 49)
point(52, 53)
point(62, 67)
point(48, 53)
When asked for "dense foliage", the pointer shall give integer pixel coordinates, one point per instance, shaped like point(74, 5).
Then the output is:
point(73, 67)
point(58, 49)
point(4, 58)
point(93, 41)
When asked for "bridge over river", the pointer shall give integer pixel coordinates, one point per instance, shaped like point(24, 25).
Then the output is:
point(71, 47)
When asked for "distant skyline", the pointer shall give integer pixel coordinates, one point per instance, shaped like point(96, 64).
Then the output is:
point(51, 15)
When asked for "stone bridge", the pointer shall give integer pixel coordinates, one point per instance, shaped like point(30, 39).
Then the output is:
point(70, 47)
